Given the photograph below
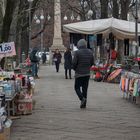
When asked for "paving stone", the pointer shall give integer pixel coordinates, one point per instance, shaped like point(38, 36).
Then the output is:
point(57, 115)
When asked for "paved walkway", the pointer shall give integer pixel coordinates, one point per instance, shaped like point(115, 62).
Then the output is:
point(57, 115)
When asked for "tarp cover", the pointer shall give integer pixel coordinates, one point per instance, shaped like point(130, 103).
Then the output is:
point(120, 28)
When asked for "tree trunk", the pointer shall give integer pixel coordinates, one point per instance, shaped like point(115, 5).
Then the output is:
point(115, 9)
point(104, 14)
point(22, 41)
point(21, 14)
point(10, 7)
point(124, 8)
point(104, 9)
point(124, 11)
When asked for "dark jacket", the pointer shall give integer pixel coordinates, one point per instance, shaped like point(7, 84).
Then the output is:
point(33, 57)
point(57, 57)
point(82, 61)
point(68, 60)
point(44, 57)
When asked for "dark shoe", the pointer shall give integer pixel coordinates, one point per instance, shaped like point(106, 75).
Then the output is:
point(66, 77)
point(83, 103)
point(36, 77)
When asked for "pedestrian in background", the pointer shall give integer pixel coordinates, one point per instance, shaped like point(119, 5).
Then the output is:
point(82, 61)
point(34, 63)
point(57, 59)
point(44, 58)
point(67, 62)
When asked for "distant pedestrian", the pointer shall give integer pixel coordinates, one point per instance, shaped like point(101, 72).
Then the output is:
point(67, 62)
point(57, 59)
point(112, 55)
point(82, 61)
point(34, 63)
point(44, 58)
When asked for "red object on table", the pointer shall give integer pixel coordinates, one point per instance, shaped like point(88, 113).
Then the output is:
point(98, 75)
point(137, 59)
point(98, 68)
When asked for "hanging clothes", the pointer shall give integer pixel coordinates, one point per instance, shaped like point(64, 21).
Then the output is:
point(126, 84)
point(135, 92)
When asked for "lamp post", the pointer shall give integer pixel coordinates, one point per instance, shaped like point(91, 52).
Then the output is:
point(136, 29)
point(89, 14)
point(30, 21)
point(42, 33)
point(39, 20)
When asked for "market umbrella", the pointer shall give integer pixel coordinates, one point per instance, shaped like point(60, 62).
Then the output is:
point(114, 74)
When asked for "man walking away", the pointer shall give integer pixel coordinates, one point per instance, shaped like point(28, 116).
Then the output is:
point(44, 58)
point(82, 61)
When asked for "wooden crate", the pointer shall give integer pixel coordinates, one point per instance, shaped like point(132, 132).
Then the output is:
point(24, 107)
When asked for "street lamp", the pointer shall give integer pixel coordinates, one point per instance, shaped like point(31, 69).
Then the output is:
point(30, 6)
point(89, 14)
point(39, 20)
point(136, 29)
point(65, 17)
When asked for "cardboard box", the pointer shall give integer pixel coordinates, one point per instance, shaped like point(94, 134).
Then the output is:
point(5, 135)
point(2, 136)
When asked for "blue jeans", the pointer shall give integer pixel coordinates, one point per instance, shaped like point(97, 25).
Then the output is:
point(34, 69)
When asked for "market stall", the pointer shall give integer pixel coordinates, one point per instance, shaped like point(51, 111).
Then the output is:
point(121, 29)
point(5, 122)
point(16, 90)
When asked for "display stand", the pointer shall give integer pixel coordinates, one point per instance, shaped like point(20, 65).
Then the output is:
point(130, 87)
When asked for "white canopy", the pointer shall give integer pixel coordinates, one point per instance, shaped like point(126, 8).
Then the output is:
point(120, 28)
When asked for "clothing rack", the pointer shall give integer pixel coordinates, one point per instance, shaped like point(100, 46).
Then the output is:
point(130, 86)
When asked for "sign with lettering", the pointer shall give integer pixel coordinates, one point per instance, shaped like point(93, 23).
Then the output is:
point(7, 49)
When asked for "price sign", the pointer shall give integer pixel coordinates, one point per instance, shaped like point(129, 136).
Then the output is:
point(5, 48)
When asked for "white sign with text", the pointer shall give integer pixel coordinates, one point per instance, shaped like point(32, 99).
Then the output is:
point(7, 49)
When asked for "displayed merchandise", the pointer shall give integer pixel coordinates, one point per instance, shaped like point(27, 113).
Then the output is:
point(106, 73)
point(16, 90)
point(13, 86)
point(130, 86)
point(4, 121)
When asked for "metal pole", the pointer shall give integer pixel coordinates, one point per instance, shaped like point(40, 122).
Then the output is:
point(136, 28)
point(30, 4)
point(42, 39)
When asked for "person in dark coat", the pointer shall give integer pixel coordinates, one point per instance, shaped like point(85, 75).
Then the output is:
point(34, 62)
point(44, 58)
point(82, 61)
point(67, 62)
point(57, 59)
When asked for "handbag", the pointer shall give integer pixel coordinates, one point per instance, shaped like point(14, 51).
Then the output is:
point(55, 59)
